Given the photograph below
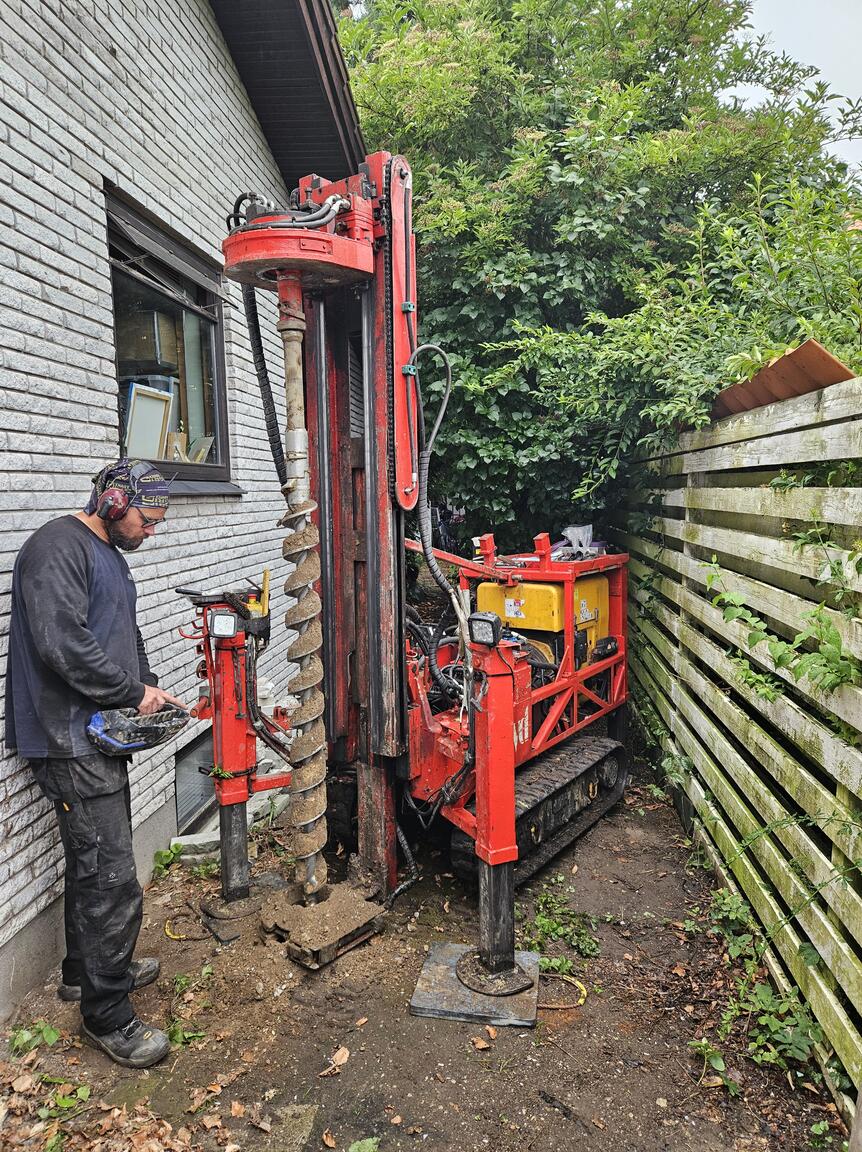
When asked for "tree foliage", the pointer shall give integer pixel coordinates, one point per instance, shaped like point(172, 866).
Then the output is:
point(606, 237)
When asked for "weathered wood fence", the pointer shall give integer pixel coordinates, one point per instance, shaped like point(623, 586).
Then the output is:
point(770, 767)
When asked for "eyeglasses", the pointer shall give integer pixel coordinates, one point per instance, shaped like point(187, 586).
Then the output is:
point(149, 521)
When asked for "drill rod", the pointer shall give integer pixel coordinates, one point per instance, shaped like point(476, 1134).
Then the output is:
point(301, 548)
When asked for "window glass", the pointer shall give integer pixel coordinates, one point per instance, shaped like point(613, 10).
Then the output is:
point(168, 351)
point(164, 348)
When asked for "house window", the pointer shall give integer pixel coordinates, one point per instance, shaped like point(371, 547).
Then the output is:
point(169, 349)
point(194, 785)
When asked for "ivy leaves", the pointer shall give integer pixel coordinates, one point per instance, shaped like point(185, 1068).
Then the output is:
point(815, 653)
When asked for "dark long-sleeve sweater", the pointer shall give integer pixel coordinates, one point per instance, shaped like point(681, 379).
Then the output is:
point(74, 643)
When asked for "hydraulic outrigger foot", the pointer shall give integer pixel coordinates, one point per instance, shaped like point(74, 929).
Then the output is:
point(493, 984)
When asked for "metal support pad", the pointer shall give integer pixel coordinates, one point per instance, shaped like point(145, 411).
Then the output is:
point(440, 994)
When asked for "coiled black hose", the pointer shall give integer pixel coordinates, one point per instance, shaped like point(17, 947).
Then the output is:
point(446, 684)
point(420, 636)
point(272, 429)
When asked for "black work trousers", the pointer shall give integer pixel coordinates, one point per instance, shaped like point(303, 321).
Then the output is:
point(103, 899)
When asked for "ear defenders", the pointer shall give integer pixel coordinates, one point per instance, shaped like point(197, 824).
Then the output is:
point(114, 503)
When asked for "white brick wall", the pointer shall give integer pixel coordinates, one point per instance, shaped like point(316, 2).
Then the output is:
point(142, 94)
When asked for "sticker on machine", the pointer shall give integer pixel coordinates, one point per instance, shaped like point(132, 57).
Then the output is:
point(514, 608)
point(585, 613)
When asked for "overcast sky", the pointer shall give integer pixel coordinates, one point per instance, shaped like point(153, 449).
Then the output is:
point(825, 33)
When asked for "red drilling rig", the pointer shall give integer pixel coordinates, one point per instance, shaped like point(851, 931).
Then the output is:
point(476, 720)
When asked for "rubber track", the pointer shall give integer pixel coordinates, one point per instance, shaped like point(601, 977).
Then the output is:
point(536, 786)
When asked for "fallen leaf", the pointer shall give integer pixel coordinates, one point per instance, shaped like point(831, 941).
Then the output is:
point(479, 1044)
point(662, 1103)
point(439, 1076)
point(689, 1009)
point(337, 1061)
point(237, 1108)
point(328, 1139)
point(23, 1083)
point(247, 1056)
point(231, 1148)
point(362, 1020)
point(264, 1123)
point(627, 956)
point(396, 1120)
point(678, 970)
point(445, 905)
point(492, 1032)
point(215, 1088)
point(599, 1123)
point(198, 1095)
point(574, 869)
point(211, 1121)
point(711, 1082)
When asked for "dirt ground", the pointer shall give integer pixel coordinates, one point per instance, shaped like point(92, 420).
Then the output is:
point(615, 1073)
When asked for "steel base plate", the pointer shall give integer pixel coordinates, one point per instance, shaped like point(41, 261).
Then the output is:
point(439, 992)
point(220, 909)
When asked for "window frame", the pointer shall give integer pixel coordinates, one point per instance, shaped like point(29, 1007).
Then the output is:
point(133, 227)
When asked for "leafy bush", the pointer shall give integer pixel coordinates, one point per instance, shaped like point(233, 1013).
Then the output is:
point(605, 237)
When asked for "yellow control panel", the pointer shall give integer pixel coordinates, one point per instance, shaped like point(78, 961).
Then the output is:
point(538, 607)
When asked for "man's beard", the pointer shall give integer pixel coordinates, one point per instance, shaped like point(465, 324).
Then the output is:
point(118, 538)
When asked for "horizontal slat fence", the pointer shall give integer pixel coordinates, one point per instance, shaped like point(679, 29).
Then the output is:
point(771, 769)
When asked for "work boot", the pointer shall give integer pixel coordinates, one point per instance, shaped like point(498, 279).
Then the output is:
point(144, 971)
point(135, 1045)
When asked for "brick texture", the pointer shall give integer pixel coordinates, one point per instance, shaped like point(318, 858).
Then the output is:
point(144, 97)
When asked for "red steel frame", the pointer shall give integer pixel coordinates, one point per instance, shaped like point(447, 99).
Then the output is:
point(372, 241)
point(226, 704)
point(504, 735)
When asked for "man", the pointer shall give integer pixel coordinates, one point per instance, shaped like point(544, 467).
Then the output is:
point(74, 649)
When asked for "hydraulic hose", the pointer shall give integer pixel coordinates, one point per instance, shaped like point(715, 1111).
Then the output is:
point(327, 211)
point(423, 509)
point(413, 874)
point(270, 416)
point(446, 684)
point(423, 516)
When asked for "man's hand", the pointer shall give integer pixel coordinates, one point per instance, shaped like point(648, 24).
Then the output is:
point(156, 698)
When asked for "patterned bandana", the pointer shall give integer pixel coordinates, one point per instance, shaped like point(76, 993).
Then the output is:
point(146, 487)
